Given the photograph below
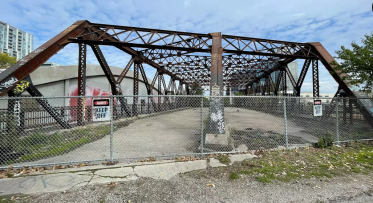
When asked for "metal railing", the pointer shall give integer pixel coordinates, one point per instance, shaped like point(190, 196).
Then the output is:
point(168, 126)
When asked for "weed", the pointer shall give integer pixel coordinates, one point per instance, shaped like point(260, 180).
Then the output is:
point(9, 175)
point(245, 172)
point(224, 159)
point(355, 169)
point(5, 200)
point(234, 176)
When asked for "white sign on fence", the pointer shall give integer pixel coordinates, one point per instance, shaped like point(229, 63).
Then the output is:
point(101, 109)
point(317, 108)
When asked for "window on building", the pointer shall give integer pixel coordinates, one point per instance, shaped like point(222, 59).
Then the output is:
point(307, 95)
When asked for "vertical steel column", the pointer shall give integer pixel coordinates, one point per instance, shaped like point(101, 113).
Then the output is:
point(159, 90)
point(81, 82)
point(315, 78)
point(278, 81)
point(217, 61)
point(284, 86)
point(187, 89)
point(135, 88)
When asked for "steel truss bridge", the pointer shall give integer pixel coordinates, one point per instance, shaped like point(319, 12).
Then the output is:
point(190, 58)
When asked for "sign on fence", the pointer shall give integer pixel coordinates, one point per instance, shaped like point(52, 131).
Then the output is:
point(317, 108)
point(101, 109)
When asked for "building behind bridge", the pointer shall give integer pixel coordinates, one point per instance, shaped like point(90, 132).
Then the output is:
point(14, 41)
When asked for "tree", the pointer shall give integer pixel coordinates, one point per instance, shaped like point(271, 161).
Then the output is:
point(356, 66)
point(196, 89)
point(6, 61)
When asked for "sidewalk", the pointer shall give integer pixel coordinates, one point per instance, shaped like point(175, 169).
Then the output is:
point(67, 179)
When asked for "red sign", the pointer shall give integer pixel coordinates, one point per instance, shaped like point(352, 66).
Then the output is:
point(101, 103)
point(317, 102)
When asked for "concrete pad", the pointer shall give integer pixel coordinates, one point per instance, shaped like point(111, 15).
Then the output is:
point(41, 184)
point(241, 157)
point(161, 171)
point(169, 170)
point(191, 165)
point(115, 172)
point(242, 148)
point(215, 163)
point(106, 180)
point(85, 173)
point(217, 139)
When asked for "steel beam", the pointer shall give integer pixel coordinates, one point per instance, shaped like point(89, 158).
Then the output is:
point(284, 85)
point(302, 75)
point(33, 91)
point(125, 70)
point(292, 80)
point(135, 88)
point(315, 78)
point(81, 83)
point(278, 81)
point(147, 86)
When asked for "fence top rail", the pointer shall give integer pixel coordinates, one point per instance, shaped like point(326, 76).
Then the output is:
point(177, 96)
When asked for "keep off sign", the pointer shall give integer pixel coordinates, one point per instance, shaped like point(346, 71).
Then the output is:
point(101, 109)
point(317, 108)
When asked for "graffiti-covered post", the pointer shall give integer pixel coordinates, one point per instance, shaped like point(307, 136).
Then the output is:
point(216, 135)
point(216, 119)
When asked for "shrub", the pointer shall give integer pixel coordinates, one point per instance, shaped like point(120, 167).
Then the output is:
point(325, 141)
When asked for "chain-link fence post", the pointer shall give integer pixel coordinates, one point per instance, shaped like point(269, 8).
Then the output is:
point(337, 119)
point(111, 127)
point(286, 124)
point(202, 125)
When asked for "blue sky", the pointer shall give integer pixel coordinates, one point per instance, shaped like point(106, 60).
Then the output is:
point(331, 22)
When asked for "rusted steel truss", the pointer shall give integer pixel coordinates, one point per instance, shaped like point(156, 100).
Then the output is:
point(189, 58)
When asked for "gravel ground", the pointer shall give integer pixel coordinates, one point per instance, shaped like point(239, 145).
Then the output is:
point(193, 187)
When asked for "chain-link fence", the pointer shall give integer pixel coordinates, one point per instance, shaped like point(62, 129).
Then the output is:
point(87, 129)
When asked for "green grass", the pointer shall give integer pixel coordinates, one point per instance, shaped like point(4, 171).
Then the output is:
point(39, 145)
point(288, 165)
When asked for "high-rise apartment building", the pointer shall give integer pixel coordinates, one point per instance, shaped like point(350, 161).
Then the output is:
point(14, 41)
